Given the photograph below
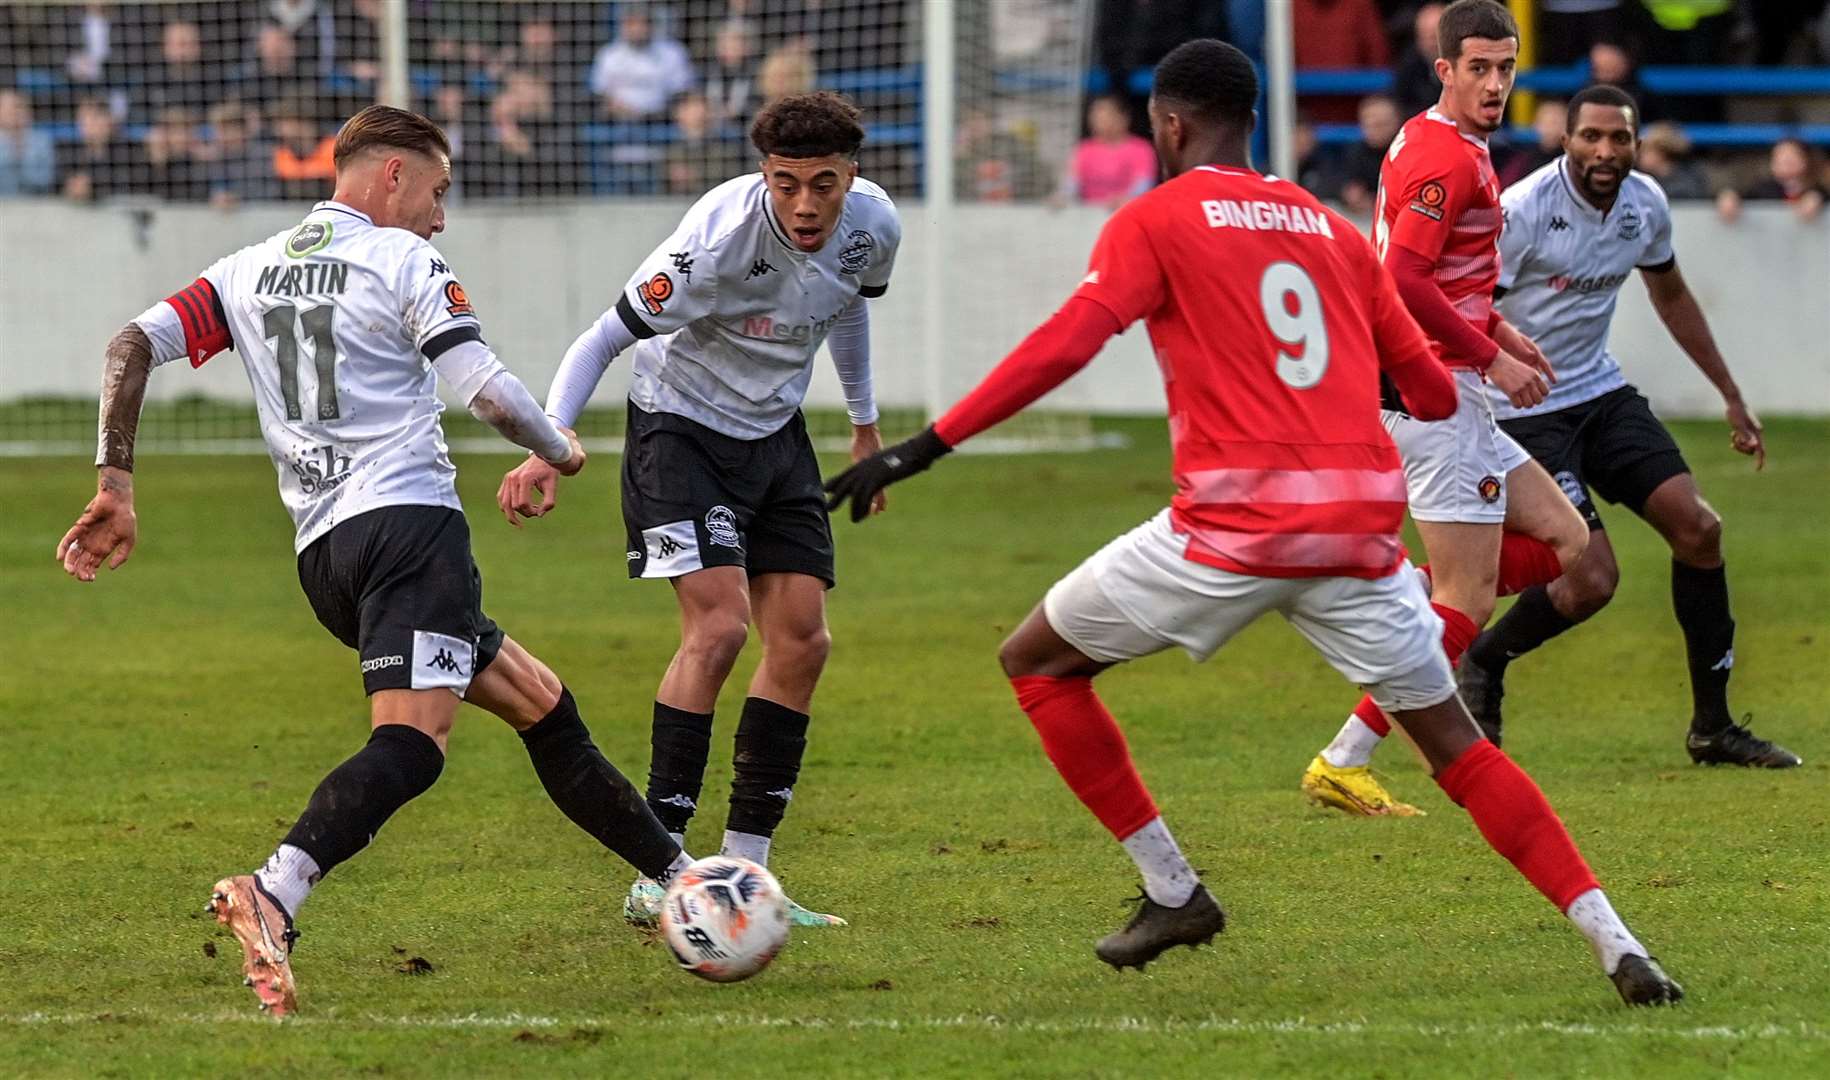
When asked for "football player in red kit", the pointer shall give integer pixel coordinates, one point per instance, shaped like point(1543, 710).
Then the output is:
point(1492, 520)
point(1272, 320)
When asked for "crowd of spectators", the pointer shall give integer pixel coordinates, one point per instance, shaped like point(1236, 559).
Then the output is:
point(226, 101)
point(233, 101)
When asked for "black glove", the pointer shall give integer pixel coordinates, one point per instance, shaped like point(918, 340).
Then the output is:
point(865, 479)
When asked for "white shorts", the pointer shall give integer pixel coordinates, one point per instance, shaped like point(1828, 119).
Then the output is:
point(1455, 469)
point(1138, 595)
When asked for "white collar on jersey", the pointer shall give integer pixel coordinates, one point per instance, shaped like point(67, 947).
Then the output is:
point(1432, 113)
point(1583, 206)
point(332, 204)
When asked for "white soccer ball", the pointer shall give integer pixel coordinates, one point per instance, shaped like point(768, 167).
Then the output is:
point(724, 918)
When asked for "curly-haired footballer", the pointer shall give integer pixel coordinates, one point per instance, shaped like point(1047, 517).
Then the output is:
point(721, 491)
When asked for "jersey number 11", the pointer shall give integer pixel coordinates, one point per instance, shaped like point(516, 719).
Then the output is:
point(284, 325)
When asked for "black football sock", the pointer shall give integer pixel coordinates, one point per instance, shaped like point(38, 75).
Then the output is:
point(770, 741)
point(398, 764)
point(1531, 622)
point(1700, 598)
point(589, 790)
point(676, 770)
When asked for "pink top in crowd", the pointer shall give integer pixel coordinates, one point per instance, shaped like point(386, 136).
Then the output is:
point(1105, 170)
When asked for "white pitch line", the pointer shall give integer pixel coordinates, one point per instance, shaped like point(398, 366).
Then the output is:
point(1116, 1025)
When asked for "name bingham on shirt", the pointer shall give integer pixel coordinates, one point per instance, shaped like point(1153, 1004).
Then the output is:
point(1262, 215)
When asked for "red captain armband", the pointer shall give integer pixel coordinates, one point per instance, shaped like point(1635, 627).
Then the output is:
point(206, 327)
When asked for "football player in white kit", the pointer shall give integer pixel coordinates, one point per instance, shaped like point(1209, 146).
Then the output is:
point(721, 490)
point(1575, 231)
point(346, 323)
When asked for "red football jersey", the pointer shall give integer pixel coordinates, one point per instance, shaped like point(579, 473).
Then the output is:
point(1439, 197)
point(1269, 314)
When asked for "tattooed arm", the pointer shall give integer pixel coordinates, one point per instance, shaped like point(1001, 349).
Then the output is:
point(107, 528)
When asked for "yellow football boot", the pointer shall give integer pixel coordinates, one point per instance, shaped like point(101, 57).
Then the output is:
point(1352, 791)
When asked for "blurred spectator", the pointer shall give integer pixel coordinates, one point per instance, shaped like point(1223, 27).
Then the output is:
point(1414, 83)
point(102, 162)
point(1693, 32)
point(237, 167)
point(991, 164)
point(449, 109)
point(638, 73)
point(179, 78)
point(1664, 154)
point(85, 64)
point(521, 154)
point(1359, 171)
point(1338, 34)
point(1132, 35)
point(1566, 28)
point(788, 70)
point(275, 74)
point(309, 25)
point(174, 170)
point(541, 52)
point(1111, 166)
point(304, 163)
point(701, 156)
point(1779, 27)
point(28, 161)
point(1312, 172)
point(1610, 64)
point(358, 52)
point(1549, 123)
point(1791, 175)
point(730, 77)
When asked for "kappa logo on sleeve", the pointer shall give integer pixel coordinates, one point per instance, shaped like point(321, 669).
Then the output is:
point(655, 293)
point(457, 301)
point(1430, 199)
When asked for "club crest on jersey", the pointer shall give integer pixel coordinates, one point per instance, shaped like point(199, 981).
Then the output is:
point(655, 292)
point(307, 238)
point(457, 301)
point(1629, 223)
point(1489, 489)
point(721, 527)
point(1429, 200)
point(856, 254)
point(1572, 487)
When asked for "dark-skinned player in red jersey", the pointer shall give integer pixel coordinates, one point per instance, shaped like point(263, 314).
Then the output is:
point(1492, 520)
point(1272, 320)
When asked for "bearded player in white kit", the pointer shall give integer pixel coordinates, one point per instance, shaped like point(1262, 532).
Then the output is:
point(721, 490)
point(345, 324)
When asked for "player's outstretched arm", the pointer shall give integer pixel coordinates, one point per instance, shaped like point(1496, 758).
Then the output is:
point(1678, 309)
point(107, 529)
point(1057, 349)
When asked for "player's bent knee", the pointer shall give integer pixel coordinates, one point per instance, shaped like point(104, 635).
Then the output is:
point(804, 650)
point(1700, 542)
point(1593, 584)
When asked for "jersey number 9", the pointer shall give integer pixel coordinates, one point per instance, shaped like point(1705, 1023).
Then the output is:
point(1300, 329)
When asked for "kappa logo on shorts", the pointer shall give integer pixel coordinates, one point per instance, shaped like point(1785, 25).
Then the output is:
point(380, 662)
point(672, 550)
point(721, 527)
point(1572, 487)
point(444, 661)
point(441, 661)
point(667, 547)
point(1490, 489)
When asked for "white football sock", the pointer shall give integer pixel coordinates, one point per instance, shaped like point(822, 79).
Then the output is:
point(743, 845)
point(289, 876)
point(1168, 879)
point(1611, 939)
point(1354, 746)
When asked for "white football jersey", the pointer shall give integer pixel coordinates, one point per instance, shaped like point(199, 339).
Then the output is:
point(338, 323)
point(729, 314)
point(1562, 262)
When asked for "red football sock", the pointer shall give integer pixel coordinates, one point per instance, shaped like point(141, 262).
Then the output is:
point(1525, 561)
point(1458, 632)
point(1088, 750)
point(1518, 822)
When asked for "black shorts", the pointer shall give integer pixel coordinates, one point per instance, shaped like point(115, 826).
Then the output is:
point(398, 585)
point(695, 498)
point(1613, 444)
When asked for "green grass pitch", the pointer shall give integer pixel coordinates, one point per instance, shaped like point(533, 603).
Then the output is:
point(163, 726)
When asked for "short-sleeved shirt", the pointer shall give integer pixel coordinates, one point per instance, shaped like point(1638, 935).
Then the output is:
point(729, 313)
point(1269, 315)
point(1562, 265)
point(338, 322)
point(1439, 197)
